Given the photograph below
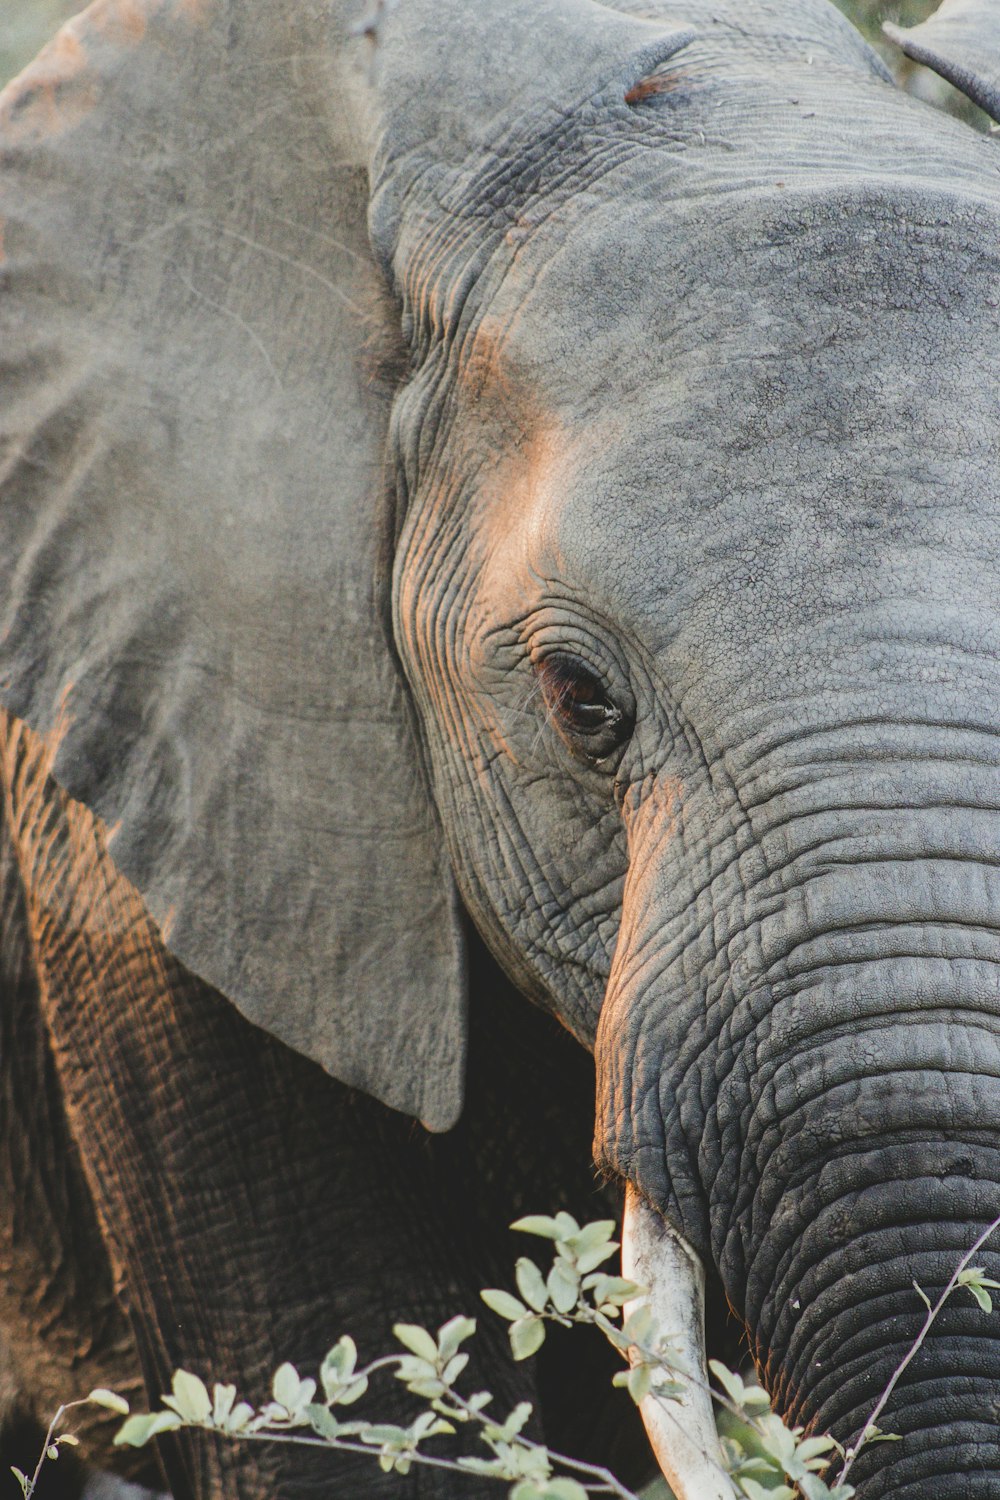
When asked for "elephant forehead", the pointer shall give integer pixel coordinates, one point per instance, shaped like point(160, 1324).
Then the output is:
point(810, 357)
point(821, 440)
point(621, 295)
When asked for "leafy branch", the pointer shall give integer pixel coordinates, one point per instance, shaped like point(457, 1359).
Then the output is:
point(771, 1461)
point(53, 1441)
point(574, 1289)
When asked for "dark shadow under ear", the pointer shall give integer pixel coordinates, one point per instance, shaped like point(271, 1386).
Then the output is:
point(191, 479)
point(961, 42)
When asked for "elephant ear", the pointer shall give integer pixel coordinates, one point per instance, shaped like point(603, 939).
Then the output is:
point(197, 355)
point(961, 41)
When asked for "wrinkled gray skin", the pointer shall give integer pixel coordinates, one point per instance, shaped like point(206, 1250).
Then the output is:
point(700, 389)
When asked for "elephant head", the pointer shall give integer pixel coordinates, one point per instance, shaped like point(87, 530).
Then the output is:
point(544, 464)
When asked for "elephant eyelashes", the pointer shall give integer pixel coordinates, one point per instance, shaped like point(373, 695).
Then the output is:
point(580, 705)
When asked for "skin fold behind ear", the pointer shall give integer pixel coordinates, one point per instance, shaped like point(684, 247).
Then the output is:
point(196, 361)
point(961, 41)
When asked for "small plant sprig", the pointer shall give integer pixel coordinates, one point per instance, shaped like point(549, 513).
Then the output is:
point(977, 1283)
point(54, 1440)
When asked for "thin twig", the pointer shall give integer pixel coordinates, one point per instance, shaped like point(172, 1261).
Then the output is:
point(45, 1449)
point(877, 1410)
point(607, 1480)
point(340, 1445)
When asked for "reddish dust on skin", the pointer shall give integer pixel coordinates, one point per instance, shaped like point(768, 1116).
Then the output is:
point(120, 20)
point(46, 104)
point(61, 846)
point(652, 811)
point(657, 797)
point(659, 83)
point(125, 22)
point(41, 104)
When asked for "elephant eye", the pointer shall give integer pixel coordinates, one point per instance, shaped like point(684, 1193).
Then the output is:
point(581, 707)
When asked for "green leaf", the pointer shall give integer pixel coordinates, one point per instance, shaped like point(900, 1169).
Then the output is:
point(515, 1422)
point(587, 1260)
point(564, 1488)
point(563, 1286)
point(385, 1432)
point(454, 1368)
point(875, 1434)
point(223, 1397)
point(540, 1224)
point(503, 1303)
point(756, 1399)
point(427, 1390)
point(755, 1491)
point(976, 1275)
point(21, 1478)
point(190, 1398)
point(640, 1326)
point(412, 1367)
point(420, 1377)
point(812, 1447)
point(485, 1466)
point(238, 1418)
point(454, 1333)
point(612, 1291)
point(814, 1488)
point(597, 1232)
point(975, 1280)
point(640, 1380)
point(101, 1396)
point(351, 1393)
point(527, 1336)
point(531, 1284)
point(567, 1225)
point(669, 1390)
point(729, 1380)
point(137, 1431)
point(416, 1339)
point(322, 1422)
point(290, 1390)
point(983, 1297)
point(338, 1365)
point(428, 1425)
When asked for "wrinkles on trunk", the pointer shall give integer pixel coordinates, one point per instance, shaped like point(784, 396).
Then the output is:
point(799, 1064)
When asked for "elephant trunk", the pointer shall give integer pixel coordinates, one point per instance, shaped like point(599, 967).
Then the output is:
point(888, 1172)
point(799, 1064)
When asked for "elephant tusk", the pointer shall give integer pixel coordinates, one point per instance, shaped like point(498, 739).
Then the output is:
point(682, 1432)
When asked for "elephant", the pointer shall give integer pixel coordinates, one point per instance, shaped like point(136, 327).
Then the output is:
point(499, 610)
